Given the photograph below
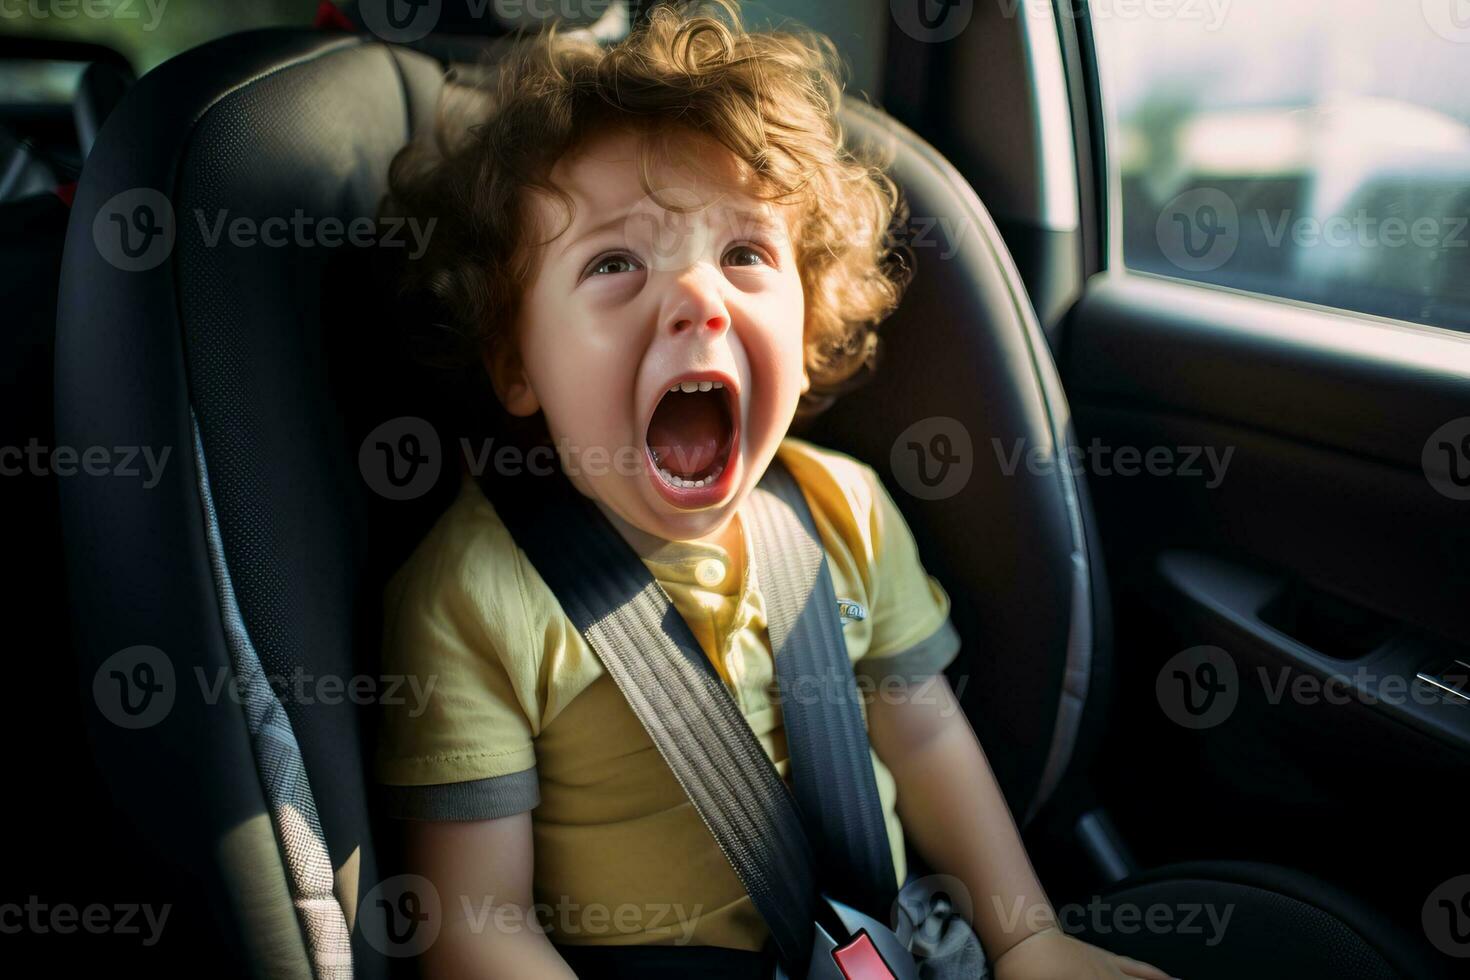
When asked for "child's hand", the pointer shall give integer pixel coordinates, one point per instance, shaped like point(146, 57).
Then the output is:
point(1053, 955)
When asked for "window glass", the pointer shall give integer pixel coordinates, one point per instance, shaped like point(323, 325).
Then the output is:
point(30, 82)
point(1311, 149)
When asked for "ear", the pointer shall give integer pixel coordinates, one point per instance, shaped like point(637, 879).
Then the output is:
point(806, 380)
point(512, 387)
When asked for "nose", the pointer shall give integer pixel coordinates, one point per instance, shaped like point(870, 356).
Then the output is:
point(694, 302)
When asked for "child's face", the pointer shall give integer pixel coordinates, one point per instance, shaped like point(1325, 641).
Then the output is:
point(632, 299)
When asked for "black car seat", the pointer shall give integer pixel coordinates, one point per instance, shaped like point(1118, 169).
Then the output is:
point(257, 553)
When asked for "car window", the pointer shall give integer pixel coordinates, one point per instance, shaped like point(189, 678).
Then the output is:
point(1312, 149)
point(30, 81)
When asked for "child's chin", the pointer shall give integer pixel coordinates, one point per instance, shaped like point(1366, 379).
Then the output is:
point(675, 523)
point(686, 525)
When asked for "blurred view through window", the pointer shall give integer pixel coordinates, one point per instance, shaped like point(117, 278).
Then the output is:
point(1311, 149)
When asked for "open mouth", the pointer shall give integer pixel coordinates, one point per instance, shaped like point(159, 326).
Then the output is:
point(692, 433)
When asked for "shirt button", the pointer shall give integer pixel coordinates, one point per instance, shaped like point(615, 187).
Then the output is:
point(710, 572)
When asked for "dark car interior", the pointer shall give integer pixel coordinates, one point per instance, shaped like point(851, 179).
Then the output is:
point(1239, 693)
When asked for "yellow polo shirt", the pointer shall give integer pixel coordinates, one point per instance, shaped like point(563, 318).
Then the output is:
point(522, 716)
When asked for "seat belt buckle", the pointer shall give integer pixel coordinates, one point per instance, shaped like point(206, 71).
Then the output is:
point(848, 945)
point(859, 959)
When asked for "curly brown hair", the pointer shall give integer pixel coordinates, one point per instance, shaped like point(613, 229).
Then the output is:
point(769, 98)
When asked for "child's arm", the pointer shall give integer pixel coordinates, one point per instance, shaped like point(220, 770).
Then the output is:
point(955, 815)
point(482, 872)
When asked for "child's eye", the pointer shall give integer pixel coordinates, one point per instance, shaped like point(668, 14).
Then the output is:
point(611, 265)
point(745, 255)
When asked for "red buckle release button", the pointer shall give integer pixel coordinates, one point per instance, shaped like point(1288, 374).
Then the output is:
point(860, 960)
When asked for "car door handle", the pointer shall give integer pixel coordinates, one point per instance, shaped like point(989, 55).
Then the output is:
point(1383, 663)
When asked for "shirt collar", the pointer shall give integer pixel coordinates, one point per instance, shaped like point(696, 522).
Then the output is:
point(676, 561)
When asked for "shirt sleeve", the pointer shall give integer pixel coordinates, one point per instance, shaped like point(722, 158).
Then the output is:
point(457, 743)
point(912, 636)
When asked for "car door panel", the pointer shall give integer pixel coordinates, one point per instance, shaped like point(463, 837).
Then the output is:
point(1310, 578)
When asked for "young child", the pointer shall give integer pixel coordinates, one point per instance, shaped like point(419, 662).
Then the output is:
point(661, 250)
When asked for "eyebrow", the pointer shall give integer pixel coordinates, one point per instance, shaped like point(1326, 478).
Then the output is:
point(745, 219)
point(741, 220)
point(608, 225)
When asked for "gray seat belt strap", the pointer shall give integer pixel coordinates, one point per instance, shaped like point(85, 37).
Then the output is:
point(831, 767)
point(653, 657)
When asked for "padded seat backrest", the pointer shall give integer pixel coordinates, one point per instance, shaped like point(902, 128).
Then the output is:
point(966, 399)
point(191, 323)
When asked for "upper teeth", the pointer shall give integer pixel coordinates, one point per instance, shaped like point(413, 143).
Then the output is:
point(688, 386)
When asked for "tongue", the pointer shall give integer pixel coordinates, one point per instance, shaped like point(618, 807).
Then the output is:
point(686, 432)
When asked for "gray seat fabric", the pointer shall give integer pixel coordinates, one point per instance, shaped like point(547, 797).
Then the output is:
point(263, 551)
point(964, 365)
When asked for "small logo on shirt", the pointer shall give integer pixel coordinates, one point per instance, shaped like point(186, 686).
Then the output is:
point(850, 611)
